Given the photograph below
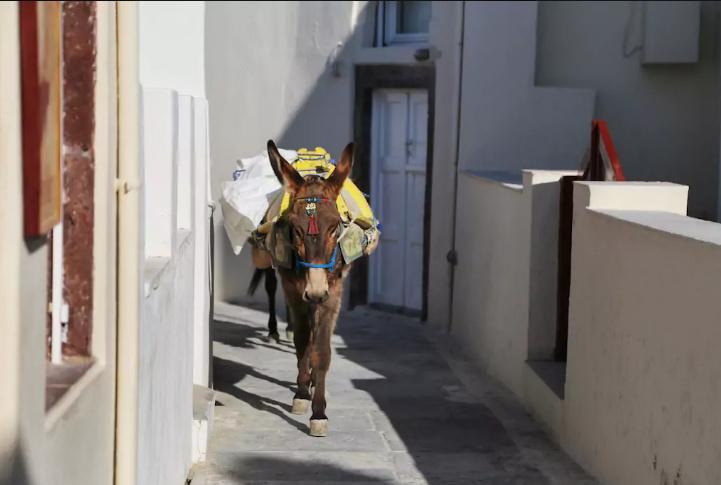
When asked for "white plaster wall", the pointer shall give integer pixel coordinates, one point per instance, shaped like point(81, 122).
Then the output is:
point(278, 86)
point(507, 122)
point(201, 216)
point(507, 241)
point(174, 350)
point(160, 171)
point(445, 34)
point(490, 312)
point(174, 332)
point(172, 46)
point(664, 119)
point(166, 371)
point(543, 189)
point(186, 151)
point(642, 388)
point(267, 77)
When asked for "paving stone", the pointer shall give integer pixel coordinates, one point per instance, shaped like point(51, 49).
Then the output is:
point(402, 410)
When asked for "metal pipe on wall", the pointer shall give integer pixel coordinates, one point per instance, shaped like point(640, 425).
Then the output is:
point(452, 256)
point(129, 247)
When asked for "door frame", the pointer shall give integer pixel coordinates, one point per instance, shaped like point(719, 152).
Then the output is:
point(367, 79)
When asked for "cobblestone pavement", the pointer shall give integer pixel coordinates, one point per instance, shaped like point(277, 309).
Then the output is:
point(404, 406)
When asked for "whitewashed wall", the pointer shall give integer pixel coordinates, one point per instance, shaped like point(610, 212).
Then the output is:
point(507, 241)
point(660, 116)
point(275, 83)
point(641, 383)
point(174, 351)
point(491, 316)
point(507, 122)
point(642, 390)
point(268, 77)
point(172, 52)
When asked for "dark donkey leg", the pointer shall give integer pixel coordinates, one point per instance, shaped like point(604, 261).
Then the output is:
point(271, 284)
point(301, 339)
point(289, 334)
point(325, 318)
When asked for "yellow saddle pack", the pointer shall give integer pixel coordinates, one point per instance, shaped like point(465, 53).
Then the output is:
point(352, 204)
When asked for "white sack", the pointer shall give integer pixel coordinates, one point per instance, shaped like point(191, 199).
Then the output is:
point(245, 200)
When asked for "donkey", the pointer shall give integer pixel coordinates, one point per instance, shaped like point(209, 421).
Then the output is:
point(313, 288)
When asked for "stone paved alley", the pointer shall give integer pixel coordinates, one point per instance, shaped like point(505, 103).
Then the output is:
point(403, 407)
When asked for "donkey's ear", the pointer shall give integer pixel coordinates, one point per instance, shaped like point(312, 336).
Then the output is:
point(285, 172)
point(342, 169)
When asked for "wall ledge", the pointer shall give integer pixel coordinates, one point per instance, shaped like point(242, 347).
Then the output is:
point(669, 223)
point(510, 179)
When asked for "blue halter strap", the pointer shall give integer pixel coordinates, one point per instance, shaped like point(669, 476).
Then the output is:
point(329, 265)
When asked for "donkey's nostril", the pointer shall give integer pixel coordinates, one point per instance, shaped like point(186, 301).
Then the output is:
point(313, 298)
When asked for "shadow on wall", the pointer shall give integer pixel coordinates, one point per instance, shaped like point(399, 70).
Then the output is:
point(13, 469)
point(304, 102)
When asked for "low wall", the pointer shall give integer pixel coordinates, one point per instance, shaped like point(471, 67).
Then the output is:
point(643, 370)
point(637, 400)
point(174, 347)
point(165, 393)
point(505, 280)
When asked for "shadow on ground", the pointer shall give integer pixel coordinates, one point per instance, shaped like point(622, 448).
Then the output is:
point(398, 414)
point(451, 436)
point(297, 472)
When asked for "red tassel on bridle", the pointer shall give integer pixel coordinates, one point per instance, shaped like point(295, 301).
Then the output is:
point(312, 226)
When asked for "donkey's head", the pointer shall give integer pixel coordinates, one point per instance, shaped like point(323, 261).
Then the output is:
point(314, 220)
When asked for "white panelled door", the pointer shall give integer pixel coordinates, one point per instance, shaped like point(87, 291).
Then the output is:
point(398, 183)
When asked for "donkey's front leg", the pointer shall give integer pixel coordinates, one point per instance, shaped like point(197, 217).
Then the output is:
point(320, 363)
point(301, 339)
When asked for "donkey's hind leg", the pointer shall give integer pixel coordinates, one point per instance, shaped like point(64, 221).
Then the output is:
point(290, 327)
point(271, 284)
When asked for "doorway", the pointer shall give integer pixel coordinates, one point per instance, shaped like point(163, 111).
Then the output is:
point(399, 139)
point(414, 85)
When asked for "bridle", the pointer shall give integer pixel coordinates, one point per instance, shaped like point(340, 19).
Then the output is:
point(311, 211)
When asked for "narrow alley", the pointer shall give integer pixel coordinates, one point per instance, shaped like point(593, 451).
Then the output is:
point(403, 407)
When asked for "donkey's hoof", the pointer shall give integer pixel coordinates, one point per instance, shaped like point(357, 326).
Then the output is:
point(289, 335)
point(300, 406)
point(319, 427)
point(274, 336)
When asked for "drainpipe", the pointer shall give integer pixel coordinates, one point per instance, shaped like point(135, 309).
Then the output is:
point(129, 249)
point(56, 342)
point(452, 256)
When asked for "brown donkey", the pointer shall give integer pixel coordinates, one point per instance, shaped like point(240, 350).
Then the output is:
point(313, 287)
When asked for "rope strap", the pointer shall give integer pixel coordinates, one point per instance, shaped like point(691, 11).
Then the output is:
point(329, 265)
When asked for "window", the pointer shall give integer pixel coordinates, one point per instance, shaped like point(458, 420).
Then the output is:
point(403, 22)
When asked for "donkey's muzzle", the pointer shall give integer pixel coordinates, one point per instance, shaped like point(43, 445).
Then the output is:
point(315, 297)
point(316, 286)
